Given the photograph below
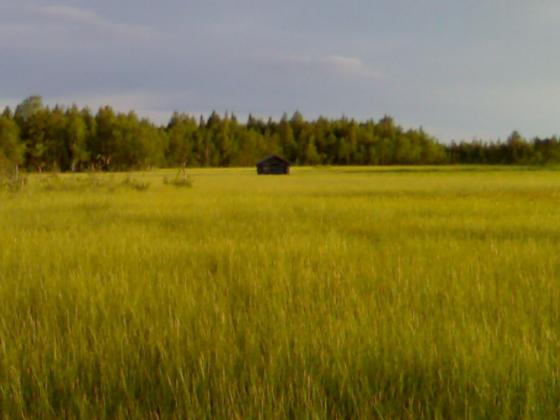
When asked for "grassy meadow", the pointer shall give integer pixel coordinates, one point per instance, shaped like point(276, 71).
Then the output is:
point(330, 293)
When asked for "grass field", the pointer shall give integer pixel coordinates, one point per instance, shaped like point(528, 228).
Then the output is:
point(330, 293)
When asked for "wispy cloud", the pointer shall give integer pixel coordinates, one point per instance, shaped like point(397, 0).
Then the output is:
point(91, 19)
point(155, 105)
point(340, 65)
point(351, 66)
point(69, 13)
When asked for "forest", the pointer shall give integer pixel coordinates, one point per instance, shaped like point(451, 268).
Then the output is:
point(40, 138)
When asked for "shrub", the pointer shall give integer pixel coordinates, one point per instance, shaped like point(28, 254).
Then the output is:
point(182, 179)
point(136, 183)
point(11, 178)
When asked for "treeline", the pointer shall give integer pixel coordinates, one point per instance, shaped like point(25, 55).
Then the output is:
point(40, 138)
point(72, 139)
point(515, 151)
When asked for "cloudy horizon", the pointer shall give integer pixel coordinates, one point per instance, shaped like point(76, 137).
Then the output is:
point(464, 70)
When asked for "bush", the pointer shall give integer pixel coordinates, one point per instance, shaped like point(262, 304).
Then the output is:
point(11, 178)
point(182, 179)
point(136, 183)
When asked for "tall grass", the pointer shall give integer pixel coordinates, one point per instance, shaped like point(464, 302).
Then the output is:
point(330, 293)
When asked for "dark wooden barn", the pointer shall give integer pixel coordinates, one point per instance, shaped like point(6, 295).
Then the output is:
point(273, 165)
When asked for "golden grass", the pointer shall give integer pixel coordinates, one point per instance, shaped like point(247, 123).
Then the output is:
point(330, 293)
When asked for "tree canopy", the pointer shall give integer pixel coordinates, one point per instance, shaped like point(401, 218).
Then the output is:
point(72, 139)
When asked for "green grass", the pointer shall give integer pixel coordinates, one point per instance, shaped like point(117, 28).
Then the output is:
point(330, 293)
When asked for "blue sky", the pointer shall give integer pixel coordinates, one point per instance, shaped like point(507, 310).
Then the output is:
point(461, 69)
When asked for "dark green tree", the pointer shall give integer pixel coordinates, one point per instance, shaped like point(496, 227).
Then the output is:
point(11, 148)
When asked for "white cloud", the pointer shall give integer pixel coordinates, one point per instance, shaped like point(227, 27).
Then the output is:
point(69, 13)
point(351, 66)
point(89, 18)
point(343, 66)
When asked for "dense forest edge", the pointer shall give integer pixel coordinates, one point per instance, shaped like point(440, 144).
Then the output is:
point(38, 138)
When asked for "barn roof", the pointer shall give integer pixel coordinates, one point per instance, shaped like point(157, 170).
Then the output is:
point(272, 157)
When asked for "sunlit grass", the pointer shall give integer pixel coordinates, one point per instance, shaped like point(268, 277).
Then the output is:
point(329, 293)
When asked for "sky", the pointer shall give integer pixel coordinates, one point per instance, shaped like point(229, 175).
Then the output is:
point(461, 69)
